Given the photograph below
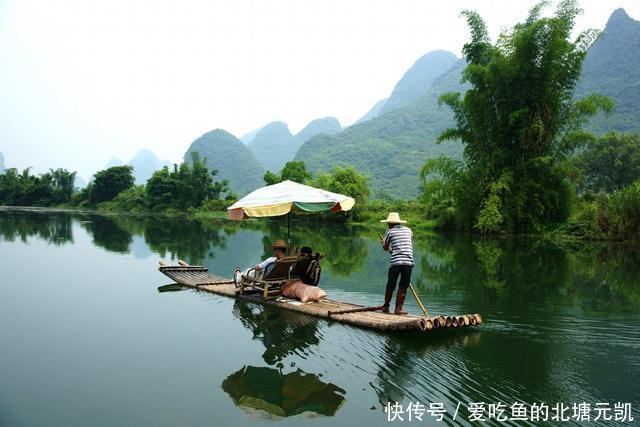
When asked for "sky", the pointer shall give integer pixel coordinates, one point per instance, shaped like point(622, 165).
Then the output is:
point(82, 81)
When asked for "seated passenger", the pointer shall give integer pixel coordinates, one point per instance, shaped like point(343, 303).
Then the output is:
point(307, 267)
point(279, 251)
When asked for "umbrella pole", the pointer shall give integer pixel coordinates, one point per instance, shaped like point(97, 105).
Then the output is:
point(289, 230)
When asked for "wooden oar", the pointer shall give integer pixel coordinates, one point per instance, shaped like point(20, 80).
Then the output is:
point(413, 291)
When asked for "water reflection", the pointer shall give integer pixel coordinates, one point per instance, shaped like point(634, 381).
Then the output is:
point(343, 247)
point(54, 229)
point(406, 362)
point(509, 272)
point(562, 319)
point(109, 233)
point(268, 393)
point(283, 333)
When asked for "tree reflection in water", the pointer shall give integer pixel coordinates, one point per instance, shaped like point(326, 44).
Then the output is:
point(54, 229)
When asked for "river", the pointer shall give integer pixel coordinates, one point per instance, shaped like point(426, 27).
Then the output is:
point(91, 335)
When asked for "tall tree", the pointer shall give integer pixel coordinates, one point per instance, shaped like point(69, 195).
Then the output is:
point(295, 171)
point(108, 183)
point(519, 120)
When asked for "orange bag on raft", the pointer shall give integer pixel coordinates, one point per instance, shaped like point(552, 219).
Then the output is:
point(305, 293)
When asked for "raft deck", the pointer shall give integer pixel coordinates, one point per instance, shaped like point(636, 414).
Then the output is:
point(199, 277)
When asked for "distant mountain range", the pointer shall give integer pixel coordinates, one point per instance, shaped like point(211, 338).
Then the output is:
point(392, 147)
point(274, 145)
point(249, 136)
point(373, 112)
point(612, 68)
point(392, 141)
point(231, 158)
point(418, 79)
point(144, 163)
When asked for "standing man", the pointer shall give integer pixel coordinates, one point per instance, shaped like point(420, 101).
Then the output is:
point(398, 240)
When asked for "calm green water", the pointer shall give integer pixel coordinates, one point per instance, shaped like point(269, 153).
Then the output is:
point(87, 338)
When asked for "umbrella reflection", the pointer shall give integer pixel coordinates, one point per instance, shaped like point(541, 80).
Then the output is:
point(268, 393)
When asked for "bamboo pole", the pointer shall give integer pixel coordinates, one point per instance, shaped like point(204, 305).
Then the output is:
point(478, 318)
point(183, 263)
point(415, 295)
point(461, 321)
point(355, 310)
point(454, 321)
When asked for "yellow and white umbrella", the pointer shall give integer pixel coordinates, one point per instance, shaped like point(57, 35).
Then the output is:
point(286, 197)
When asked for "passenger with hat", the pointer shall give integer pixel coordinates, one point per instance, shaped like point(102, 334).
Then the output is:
point(279, 251)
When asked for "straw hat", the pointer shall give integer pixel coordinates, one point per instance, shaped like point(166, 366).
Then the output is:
point(394, 218)
point(280, 244)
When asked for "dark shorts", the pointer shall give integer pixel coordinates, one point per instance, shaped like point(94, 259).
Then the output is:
point(402, 271)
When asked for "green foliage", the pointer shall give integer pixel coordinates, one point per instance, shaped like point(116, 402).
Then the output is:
point(618, 213)
point(187, 186)
point(448, 193)
point(345, 181)
point(517, 139)
point(108, 183)
point(490, 219)
point(271, 178)
point(133, 200)
point(295, 171)
point(24, 189)
point(610, 163)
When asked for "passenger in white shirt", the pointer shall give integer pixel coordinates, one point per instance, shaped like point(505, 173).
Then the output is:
point(279, 251)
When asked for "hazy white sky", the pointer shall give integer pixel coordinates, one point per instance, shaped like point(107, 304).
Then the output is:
point(82, 81)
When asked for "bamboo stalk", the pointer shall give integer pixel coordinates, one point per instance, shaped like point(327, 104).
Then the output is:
point(415, 295)
point(472, 319)
point(461, 321)
point(454, 321)
point(183, 263)
point(425, 324)
point(478, 319)
point(447, 321)
point(355, 310)
point(442, 321)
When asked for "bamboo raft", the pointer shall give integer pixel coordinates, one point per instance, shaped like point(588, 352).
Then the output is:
point(199, 277)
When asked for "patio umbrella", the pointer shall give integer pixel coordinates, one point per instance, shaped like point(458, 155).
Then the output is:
point(286, 197)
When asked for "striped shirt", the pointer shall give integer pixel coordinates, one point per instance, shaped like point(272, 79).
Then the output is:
point(400, 240)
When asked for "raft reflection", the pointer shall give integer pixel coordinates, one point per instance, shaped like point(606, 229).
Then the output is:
point(268, 393)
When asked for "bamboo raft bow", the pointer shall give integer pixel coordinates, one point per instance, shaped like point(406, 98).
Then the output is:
point(199, 277)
